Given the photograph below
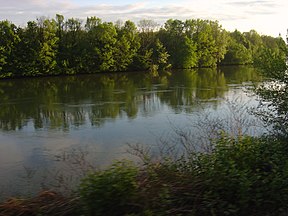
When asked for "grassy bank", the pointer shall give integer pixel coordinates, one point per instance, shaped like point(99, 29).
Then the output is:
point(241, 176)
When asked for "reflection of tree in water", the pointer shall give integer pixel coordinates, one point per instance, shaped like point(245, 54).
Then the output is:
point(240, 74)
point(195, 85)
point(65, 102)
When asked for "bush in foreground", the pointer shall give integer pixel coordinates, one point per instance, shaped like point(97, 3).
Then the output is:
point(242, 176)
point(110, 192)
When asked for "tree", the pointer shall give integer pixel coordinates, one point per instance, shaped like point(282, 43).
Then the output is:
point(206, 46)
point(147, 37)
point(273, 93)
point(49, 46)
point(237, 54)
point(101, 42)
point(254, 40)
point(221, 38)
point(26, 58)
point(60, 25)
point(210, 39)
point(36, 52)
point(147, 32)
point(127, 45)
point(8, 40)
point(72, 47)
point(239, 50)
point(160, 57)
point(54, 46)
point(181, 48)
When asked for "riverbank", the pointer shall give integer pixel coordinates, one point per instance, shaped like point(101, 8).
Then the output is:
point(242, 175)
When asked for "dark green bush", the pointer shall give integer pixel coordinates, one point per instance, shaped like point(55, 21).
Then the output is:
point(245, 175)
point(109, 192)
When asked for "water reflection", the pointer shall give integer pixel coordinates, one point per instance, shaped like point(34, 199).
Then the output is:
point(42, 117)
point(63, 103)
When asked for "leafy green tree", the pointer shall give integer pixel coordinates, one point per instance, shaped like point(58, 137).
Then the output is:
point(276, 44)
point(127, 46)
point(53, 46)
point(36, 52)
point(8, 40)
point(205, 42)
point(255, 42)
point(60, 23)
point(147, 37)
point(241, 39)
point(147, 34)
point(101, 42)
point(237, 54)
point(26, 58)
point(2, 57)
point(211, 41)
point(221, 38)
point(49, 46)
point(181, 48)
point(239, 50)
point(143, 60)
point(160, 56)
point(72, 47)
point(273, 93)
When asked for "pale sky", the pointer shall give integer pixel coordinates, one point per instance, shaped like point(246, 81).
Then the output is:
point(268, 17)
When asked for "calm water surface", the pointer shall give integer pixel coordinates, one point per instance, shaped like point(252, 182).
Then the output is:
point(40, 118)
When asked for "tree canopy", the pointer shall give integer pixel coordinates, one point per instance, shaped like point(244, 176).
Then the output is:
point(72, 46)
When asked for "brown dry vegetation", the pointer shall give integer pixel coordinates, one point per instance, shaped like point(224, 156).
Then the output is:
point(45, 203)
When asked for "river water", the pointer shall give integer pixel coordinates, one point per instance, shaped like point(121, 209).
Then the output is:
point(45, 121)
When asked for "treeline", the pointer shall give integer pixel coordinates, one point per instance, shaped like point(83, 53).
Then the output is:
point(59, 46)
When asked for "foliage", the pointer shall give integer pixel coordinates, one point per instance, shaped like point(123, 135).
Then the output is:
point(241, 175)
point(245, 175)
point(181, 49)
point(127, 45)
point(160, 56)
point(8, 41)
point(239, 52)
point(109, 192)
point(273, 93)
point(59, 46)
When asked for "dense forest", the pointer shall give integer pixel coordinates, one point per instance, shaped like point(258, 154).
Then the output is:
point(59, 46)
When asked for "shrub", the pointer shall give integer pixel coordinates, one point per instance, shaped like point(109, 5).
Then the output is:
point(109, 192)
point(245, 175)
point(242, 176)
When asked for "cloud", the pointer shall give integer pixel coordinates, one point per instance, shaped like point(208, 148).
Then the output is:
point(252, 8)
point(253, 3)
point(231, 14)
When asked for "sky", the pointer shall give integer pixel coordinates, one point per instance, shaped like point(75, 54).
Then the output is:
point(267, 17)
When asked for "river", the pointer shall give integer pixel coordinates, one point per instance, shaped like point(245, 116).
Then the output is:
point(45, 121)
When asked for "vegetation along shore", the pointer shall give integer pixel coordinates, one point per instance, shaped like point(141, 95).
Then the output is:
point(72, 46)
